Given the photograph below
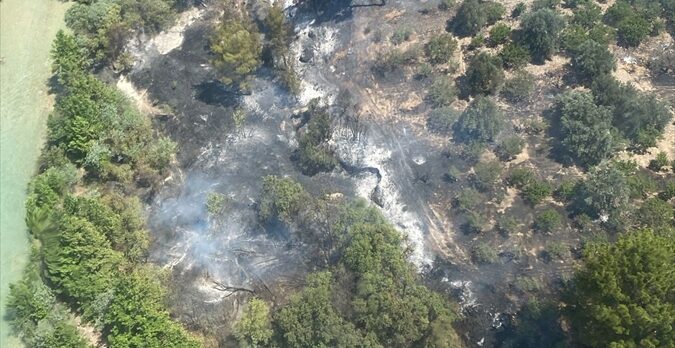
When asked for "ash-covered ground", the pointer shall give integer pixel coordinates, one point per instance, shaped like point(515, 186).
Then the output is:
point(217, 262)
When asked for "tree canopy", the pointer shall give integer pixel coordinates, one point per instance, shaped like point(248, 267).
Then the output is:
point(623, 297)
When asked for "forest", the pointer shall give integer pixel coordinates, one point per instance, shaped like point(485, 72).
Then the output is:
point(552, 163)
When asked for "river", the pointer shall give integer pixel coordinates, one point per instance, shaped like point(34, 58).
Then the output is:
point(27, 28)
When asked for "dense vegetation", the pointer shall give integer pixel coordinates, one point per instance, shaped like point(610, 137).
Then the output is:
point(367, 294)
point(90, 238)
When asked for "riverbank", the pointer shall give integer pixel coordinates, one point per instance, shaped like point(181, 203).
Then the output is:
point(27, 29)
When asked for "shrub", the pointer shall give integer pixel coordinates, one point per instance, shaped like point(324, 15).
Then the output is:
point(468, 199)
point(510, 147)
point(514, 56)
point(520, 177)
point(401, 35)
point(475, 223)
point(592, 61)
point(237, 49)
point(659, 162)
point(565, 190)
point(558, 250)
point(499, 34)
point(447, 4)
point(588, 16)
point(545, 4)
point(655, 214)
point(540, 33)
point(453, 174)
point(536, 191)
point(424, 70)
point(440, 48)
point(484, 75)
point(494, 11)
point(442, 92)
point(587, 133)
point(481, 121)
point(518, 88)
point(507, 225)
point(483, 254)
point(633, 30)
point(518, 10)
point(281, 198)
point(441, 120)
point(486, 174)
point(547, 221)
point(470, 18)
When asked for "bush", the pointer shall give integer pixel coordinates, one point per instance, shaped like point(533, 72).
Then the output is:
point(447, 4)
point(659, 162)
point(507, 225)
point(514, 56)
point(281, 198)
point(401, 35)
point(486, 174)
point(520, 177)
point(483, 254)
point(481, 121)
point(510, 147)
point(655, 214)
point(566, 190)
point(606, 195)
point(536, 191)
point(633, 30)
point(484, 75)
point(558, 250)
point(545, 4)
point(518, 10)
point(453, 174)
point(547, 221)
point(586, 130)
point(424, 71)
point(470, 19)
point(499, 34)
point(442, 119)
point(237, 49)
point(588, 16)
point(442, 92)
point(440, 48)
point(639, 116)
point(592, 61)
point(468, 199)
point(540, 33)
point(254, 328)
point(518, 88)
point(494, 11)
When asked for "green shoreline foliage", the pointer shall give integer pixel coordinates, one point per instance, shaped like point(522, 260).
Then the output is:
point(90, 238)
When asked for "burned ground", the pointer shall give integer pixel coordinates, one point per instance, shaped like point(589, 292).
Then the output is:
point(393, 161)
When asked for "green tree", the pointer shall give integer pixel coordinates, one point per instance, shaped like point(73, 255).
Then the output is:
point(136, 316)
point(254, 329)
point(540, 33)
point(440, 48)
point(499, 34)
point(481, 121)
point(605, 195)
point(442, 92)
point(484, 75)
point(586, 129)
point(592, 61)
point(281, 198)
point(547, 220)
point(441, 120)
point(237, 49)
point(623, 297)
point(470, 18)
point(311, 320)
point(514, 55)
